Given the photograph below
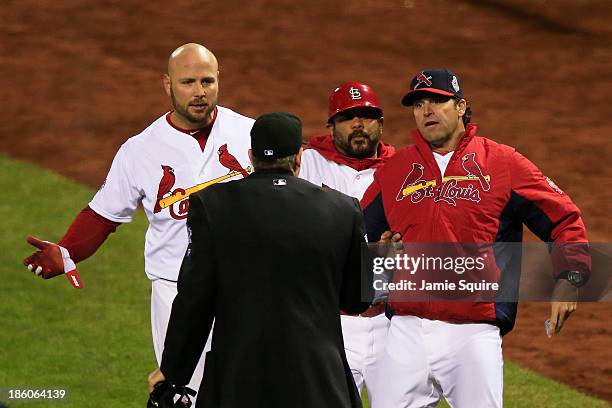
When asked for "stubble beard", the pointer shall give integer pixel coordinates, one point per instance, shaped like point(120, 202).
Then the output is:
point(437, 138)
point(197, 121)
point(440, 141)
point(449, 138)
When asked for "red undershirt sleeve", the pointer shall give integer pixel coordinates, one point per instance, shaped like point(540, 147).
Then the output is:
point(86, 234)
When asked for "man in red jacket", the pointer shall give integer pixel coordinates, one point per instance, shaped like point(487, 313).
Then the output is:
point(454, 186)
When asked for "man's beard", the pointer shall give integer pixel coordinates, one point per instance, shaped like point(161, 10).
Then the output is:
point(361, 151)
point(200, 120)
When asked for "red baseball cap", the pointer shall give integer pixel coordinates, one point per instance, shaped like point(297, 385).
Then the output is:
point(352, 95)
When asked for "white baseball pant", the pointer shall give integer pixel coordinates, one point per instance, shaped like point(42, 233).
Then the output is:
point(163, 293)
point(424, 360)
point(364, 340)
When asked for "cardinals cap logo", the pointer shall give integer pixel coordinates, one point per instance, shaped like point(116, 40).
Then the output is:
point(354, 92)
point(423, 79)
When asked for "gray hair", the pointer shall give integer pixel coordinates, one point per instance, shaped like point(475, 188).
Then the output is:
point(286, 163)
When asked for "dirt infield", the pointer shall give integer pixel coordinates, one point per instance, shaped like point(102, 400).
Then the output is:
point(77, 79)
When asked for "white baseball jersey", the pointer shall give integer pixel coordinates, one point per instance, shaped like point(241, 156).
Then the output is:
point(158, 168)
point(324, 172)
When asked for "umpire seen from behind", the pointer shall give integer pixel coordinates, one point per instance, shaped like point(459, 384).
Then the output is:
point(272, 258)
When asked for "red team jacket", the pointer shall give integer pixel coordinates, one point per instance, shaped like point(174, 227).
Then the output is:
point(488, 192)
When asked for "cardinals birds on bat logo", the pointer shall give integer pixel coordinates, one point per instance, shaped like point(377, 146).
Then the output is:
point(165, 185)
point(166, 197)
point(452, 188)
point(229, 161)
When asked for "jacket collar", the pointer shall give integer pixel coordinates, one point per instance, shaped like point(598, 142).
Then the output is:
point(425, 150)
point(324, 145)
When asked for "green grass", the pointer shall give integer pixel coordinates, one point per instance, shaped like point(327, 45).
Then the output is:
point(96, 342)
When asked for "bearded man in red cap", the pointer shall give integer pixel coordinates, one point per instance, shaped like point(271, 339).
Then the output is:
point(345, 159)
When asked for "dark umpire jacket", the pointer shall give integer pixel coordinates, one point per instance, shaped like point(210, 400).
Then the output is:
point(273, 259)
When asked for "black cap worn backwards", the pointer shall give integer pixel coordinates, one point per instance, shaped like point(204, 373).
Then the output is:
point(436, 81)
point(275, 135)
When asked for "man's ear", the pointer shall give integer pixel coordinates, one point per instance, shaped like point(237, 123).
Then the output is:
point(298, 161)
point(461, 107)
point(167, 84)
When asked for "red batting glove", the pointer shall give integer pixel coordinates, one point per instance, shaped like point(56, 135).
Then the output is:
point(47, 262)
point(51, 260)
